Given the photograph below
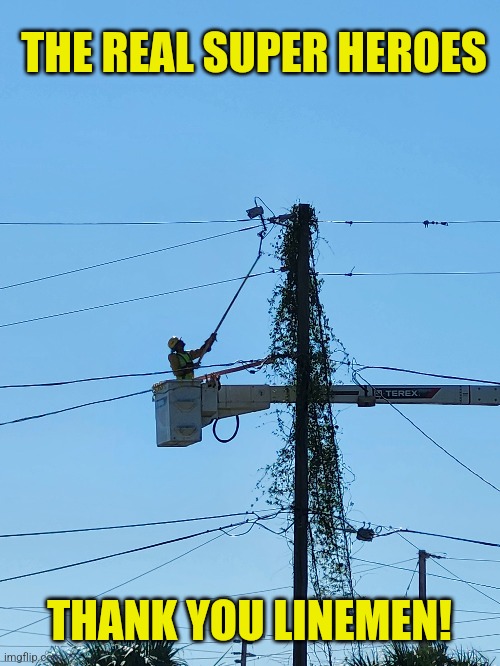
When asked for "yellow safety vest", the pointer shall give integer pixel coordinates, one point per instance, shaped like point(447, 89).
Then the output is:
point(187, 365)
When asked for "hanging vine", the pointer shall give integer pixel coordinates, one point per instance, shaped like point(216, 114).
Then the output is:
point(330, 572)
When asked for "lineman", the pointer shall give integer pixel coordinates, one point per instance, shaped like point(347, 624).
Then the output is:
point(181, 361)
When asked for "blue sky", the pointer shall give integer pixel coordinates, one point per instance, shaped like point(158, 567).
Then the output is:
point(165, 148)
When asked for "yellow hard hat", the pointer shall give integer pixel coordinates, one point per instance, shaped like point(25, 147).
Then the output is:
point(173, 341)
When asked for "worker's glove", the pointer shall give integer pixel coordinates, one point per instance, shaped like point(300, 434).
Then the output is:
point(209, 342)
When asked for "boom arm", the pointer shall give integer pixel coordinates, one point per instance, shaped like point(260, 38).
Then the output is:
point(183, 408)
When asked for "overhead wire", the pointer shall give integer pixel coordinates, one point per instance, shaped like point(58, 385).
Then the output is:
point(137, 393)
point(431, 439)
point(32, 633)
point(380, 566)
point(357, 366)
point(139, 223)
point(465, 638)
point(34, 417)
point(402, 273)
point(424, 374)
point(411, 579)
point(425, 223)
point(473, 586)
point(132, 300)
point(55, 412)
point(160, 566)
point(115, 587)
point(39, 610)
point(467, 610)
point(133, 550)
point(244, 279)
point(122, 376)
point(456, 580)
point(118, 223)
point(176, 521)
point(24, 609)
point(472, 559)
point(441, 536)
point(122, 259)
point(477, 619)
point(402, 531)
point(434, 559)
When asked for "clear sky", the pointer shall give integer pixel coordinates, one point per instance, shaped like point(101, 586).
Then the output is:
point(134, 148)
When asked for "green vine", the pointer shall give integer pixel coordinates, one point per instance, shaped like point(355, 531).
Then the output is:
point(328, 543)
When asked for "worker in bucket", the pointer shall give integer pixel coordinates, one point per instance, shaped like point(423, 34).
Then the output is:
point(182, 361)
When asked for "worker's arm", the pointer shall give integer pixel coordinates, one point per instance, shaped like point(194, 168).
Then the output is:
point(205, 348)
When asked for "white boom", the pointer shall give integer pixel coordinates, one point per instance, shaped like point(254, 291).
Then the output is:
point(183, 408)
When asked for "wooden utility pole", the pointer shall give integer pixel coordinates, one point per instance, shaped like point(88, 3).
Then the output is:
point(422, 574)
point(301, 499)
point(243, 652)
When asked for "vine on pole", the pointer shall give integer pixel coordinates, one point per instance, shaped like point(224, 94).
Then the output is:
point(330, 573)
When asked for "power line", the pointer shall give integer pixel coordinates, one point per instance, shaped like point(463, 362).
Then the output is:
point(465, 638)
point(468, 583)
point(128, 258)
point(122, 376)
point(466, 610)
point(426, 223)
point(425, 374)
point(380, 566)
point(441, 536)
point(70, 409)
point(46, 617)
point(131, 300)
point(74, 407)
point(142, 223)
point(239, 361)
point(471, 559)
point(134, 550)
point(450, 455)
point(411, 579)
point(456, 579)
point(88, 379)
point(177, 521)
point(33, 417)
point(404, 530)
point(478, 619)
point(471, 585)
point(115, 587)
point(160, 566)
point(23, 645)
point(246, 513)
point(33, 633)
point(24, 609)
point(401, 273)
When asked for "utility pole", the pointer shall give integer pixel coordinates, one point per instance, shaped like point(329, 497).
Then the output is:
point(422, 574)
point(423, 556)
point(301, 498)
point(243, 652)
